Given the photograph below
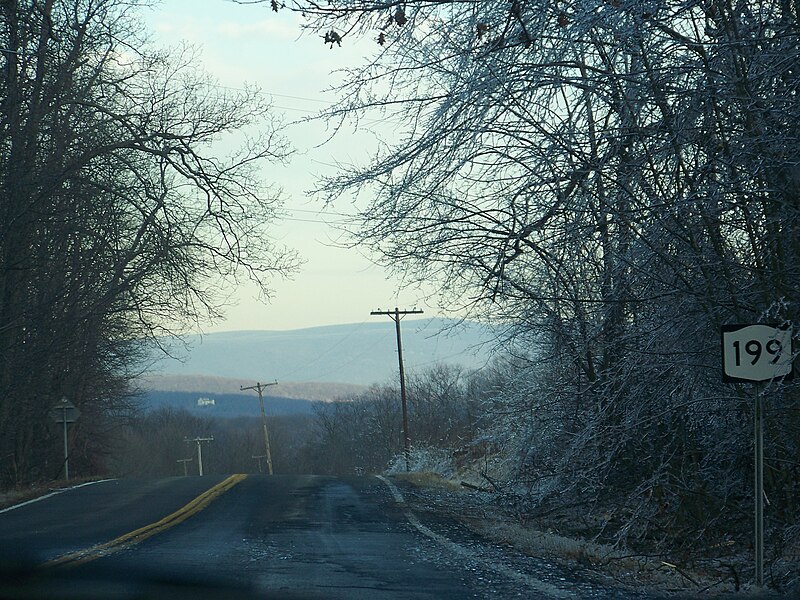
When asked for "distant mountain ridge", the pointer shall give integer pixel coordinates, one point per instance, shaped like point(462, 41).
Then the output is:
point(221, 397)
point(205, 384)
point(360, 354)
point(225, 405)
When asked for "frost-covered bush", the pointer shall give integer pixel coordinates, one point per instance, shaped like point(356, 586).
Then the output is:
point(424, 459)
point(614, 181)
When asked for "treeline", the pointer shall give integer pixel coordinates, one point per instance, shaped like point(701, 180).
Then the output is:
point(360, 434)
point(154, 444)
point(365, 433)
point(117, 222)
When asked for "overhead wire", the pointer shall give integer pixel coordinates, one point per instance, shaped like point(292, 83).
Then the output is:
point(331, 348)
point(295, 97)
point(346, 218)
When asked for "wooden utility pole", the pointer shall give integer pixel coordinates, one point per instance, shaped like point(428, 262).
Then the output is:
point(396, 315)
point(65, 412)
point(185, 468)
point(258, 457)
point(259, 387)
point(199, 441)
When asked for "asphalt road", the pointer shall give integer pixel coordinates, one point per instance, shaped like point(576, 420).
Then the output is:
point(272, 537)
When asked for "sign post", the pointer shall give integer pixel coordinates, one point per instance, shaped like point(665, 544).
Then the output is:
point(753, 354)
point(65, 412)
point(758, 481)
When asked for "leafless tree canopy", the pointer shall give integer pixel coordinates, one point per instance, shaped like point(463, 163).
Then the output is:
point(613, 179)
point(117, 221)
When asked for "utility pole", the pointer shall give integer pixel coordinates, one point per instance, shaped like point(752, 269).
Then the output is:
point(185, 468)
point(199, 441)
point(65, 412)
point(396, 315)
point(259, 387)
point(258, 457)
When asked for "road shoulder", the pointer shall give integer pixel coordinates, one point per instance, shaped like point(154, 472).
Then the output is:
point(432, 498)
point(17, 498)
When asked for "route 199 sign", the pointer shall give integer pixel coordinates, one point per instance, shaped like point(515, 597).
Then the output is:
point(753, 353)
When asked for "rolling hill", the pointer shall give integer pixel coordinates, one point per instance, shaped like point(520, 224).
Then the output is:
point(359, 354)
point(222, 397)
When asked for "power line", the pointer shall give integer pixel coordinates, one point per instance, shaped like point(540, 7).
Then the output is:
point(319, 212)
point(339, 342)
point(328, 102)
point(275, 94)
point(298, 220)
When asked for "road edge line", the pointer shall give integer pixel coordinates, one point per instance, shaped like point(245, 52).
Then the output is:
point(127, 540)
point(52, 493)
point(536, 584)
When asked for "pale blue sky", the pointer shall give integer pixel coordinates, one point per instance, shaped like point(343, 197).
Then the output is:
point(251, 44)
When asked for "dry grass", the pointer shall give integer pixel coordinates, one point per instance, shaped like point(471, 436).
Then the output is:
point(17, 496)
point(653, 573)
point(631, 570)
point(427, 479)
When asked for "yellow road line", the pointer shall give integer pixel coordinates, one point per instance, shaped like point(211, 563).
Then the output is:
point(139, 535)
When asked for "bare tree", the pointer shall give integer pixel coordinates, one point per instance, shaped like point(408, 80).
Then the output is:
point(119, 221)
point(613, 180)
